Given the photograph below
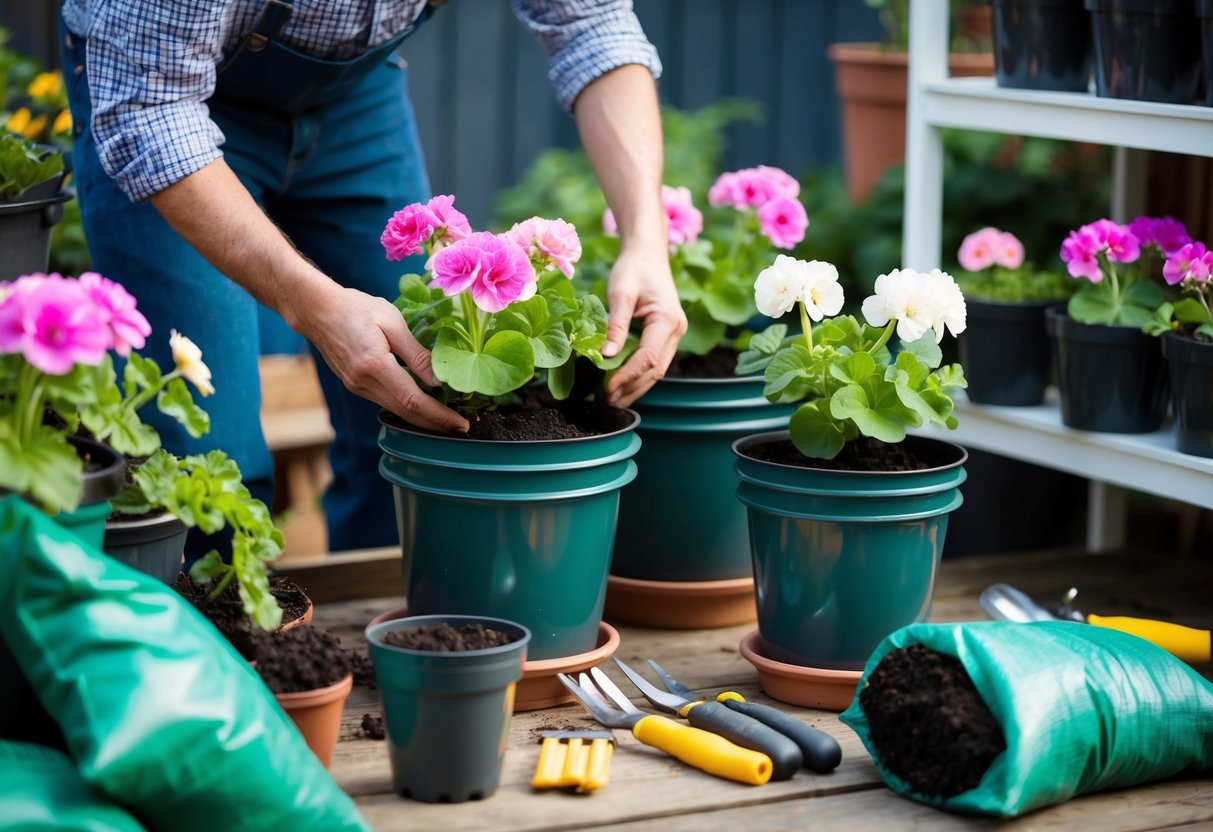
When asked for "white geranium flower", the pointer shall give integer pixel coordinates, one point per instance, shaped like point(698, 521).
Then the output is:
point(905, 296)
point(779, 286)
point(951, 300)
point(822, 291)
point(188, 359)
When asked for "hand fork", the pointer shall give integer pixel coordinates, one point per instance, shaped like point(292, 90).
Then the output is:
point(706, 752)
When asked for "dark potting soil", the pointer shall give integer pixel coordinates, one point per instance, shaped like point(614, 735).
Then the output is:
point(301, 658)
point(929, 724)
point(721, 362)
point(363, 668)
point(447, 639)
point(529, 424)
point(227, 611)
point(862, 454)
point(372, 727)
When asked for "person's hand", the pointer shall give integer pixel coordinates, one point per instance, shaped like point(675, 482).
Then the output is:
point(360, 337)
point(641, 287)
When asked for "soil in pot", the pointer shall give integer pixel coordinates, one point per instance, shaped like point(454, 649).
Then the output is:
point(929, 724)
point(534, 421)
point(447, 639)
point(300, 659)
point(862, 454)
point(721, 362)
point(227, 611)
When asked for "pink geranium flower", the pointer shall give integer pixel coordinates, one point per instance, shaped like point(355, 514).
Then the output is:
point(1009, 251)
point(1168, 233)
point(722, 190)
point(1078, 252)
point(685, 220)
point(1189, 261)
point(783, 220)
point(550, 244)
point(495, 270)
point(116, 306)
point(452, 226)
point(408, 230)
point(52, 321)
point(980, 249)
point(780, 181)
point(1123, 245)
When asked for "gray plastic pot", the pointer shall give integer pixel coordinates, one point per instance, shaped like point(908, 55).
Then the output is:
point(447, 714)
point(154, 545)
point(25, 228)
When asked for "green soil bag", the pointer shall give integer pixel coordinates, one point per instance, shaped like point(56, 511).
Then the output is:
point(1082, 709)
point(160, 713)
point(40, 791)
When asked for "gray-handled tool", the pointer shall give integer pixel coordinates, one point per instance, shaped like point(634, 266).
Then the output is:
point(785, 743)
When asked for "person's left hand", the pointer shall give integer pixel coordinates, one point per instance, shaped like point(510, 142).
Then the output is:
point(641, 286)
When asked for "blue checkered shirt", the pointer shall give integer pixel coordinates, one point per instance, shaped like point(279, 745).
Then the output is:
point(152, 64)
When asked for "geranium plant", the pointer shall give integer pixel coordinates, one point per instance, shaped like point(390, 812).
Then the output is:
point(994, 269)
point(1189, 268)
point(497, 311)
point(842, 369)
point(754, 212)
point(1108, 255)
point(24, 165)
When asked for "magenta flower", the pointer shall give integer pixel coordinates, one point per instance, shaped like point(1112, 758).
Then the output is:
point(53, 323)
point(408, 230)
point(685, 220)
point(1079, 251)
point(783, 220)
point(1123, 246)
point(979, 250)
point(453, 226)
point(1168, 233)
point(1189, 261)
point(116, 306)
point(548, 243)
point(496, 270)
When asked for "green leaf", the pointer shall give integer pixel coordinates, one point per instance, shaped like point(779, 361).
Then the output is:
point(791, 375)
point(1189, 311)
point(951, 378)
point(770, 339)
point(588, 332)
point(47, 469)
point(815, 432)
point(1160, 321)
point(882, 417)
point(560, 380)
point(1206, 330)
point(548, 338)
point(140, 374)
point(703, 333)
point(854, 368)
point(1091, 306)
point(1145, 293)
point(698, 254)
point(130, 500)
point(209, 567)
point(23, 165)
point(729, 300)
point(926, 348)
point(506, 363)
point(177, 402)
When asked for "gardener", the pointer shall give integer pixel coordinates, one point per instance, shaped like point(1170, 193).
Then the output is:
point(310, 105)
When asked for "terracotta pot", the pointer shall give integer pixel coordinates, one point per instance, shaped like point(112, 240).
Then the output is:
point(317, 715)
point(306, 618)
point(872, 86)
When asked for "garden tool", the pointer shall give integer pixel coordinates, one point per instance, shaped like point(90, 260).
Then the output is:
point(745, 723)
point(580, 760)
point(705, 751)
point(1006, 603)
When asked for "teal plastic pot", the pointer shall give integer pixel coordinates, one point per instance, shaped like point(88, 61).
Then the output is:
point(515, 530)
point(843, 558)
point(447, 715)
point(680, 520)
point(1190, 363)
point(154, 545)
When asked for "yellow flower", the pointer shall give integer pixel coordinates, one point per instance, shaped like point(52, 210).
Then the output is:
point(63, 123)
point(46, 85)
point(19, 121)
point(189, 362)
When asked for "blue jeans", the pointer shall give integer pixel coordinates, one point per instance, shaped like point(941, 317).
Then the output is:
point(330, 178)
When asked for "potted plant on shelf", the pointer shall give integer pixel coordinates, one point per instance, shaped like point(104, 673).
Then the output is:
point(517, 519)
point(1186, 327)
point(1146, 50)
point(1109, 373)
point(1042, 44)
point(847, 513)
point(1009, 362)
point(688, 566)
point(31, 202)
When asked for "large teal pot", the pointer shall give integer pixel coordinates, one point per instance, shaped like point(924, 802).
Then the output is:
point(515, 530)
point(841, 558)
point(680, 520)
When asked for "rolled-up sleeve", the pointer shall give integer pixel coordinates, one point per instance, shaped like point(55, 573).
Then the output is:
point(585, 39)
point(151, 69)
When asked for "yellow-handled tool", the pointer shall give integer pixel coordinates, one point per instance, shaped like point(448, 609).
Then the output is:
point(579, 760)
point(707, 752)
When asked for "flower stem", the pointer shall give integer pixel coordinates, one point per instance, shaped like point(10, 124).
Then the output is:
point(884, 336)
point(144, 396)
point(475, 320)
point(28, 403)
point(1115, 292)
point(806, 325)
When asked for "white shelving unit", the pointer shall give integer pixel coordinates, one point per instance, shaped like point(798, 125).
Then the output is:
point(1147, 463)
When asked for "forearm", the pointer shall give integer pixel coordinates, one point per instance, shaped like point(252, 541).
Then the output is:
point(620, 125)
point(216, 214)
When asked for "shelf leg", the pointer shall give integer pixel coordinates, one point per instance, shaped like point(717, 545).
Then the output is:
point(1105, 517)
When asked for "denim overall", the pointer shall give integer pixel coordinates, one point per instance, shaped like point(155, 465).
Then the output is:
point(330, 150)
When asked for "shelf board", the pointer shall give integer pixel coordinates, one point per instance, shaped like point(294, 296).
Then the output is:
point(1142, 462)
point(979, 104)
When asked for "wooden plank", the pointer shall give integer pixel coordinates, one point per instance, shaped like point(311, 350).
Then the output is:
point(346, 577)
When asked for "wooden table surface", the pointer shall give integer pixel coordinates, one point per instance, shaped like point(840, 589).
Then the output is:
point(649, 790)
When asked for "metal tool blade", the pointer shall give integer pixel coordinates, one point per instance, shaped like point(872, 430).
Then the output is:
point(673, 684)
point(666, 701)
point(1006, 603)
point(601, 713)
point(618, 697)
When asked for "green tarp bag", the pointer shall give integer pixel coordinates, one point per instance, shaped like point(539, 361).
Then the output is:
point(160, 713)
point(1082, 709)
point(40, 791)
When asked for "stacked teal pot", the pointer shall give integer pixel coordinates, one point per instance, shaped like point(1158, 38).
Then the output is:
point(843, 558)
point(515, 530)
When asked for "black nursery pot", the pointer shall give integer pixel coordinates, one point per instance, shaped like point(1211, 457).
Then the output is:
point(1147, 50)
point(1204, 11)
point(1190, 364)
point(25, 228)
point(1042, 44)
point(1111, 378)
point(1006, 352)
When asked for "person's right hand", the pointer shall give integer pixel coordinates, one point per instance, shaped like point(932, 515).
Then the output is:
point(360, 337)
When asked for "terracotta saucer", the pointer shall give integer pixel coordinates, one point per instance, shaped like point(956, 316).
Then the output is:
point(681, 605)
point(539, 687)
point(810, 687)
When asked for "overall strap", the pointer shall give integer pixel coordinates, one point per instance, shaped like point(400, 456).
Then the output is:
point(273, 18)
